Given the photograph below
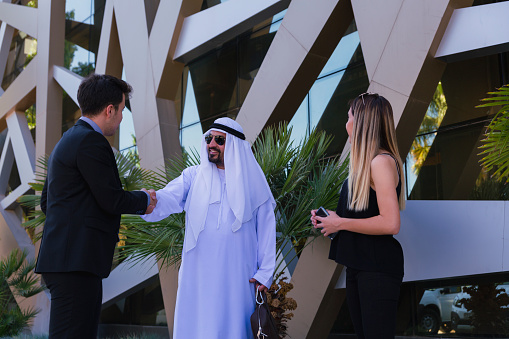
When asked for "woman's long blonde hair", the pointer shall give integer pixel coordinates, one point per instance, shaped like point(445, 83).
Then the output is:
point(373, 129)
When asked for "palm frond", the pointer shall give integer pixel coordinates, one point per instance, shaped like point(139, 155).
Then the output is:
point(495, 150)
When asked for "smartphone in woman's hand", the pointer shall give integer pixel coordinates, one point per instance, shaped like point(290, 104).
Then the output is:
point(322, 212)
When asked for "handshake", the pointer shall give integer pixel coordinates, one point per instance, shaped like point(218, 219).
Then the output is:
point(153, 200)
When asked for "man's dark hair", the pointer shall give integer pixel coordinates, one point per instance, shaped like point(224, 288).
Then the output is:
point(97, 91)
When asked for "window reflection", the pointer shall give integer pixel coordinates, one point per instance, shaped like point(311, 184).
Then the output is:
point(143, 307)
point(82, 9)
point(211, 3)
point(426, 135)
point(23, 50)
point(443, 162)
point(481, 309)
point(190, 138)
point(214, 79)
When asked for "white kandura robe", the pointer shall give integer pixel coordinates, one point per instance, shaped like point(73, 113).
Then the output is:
point(215, 298)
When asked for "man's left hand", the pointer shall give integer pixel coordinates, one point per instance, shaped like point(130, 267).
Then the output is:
point(259, 286)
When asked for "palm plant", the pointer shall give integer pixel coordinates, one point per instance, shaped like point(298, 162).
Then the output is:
point(16, 279)
point(495, 145)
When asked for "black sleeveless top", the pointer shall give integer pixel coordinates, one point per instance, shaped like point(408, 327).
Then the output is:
point(375, 253)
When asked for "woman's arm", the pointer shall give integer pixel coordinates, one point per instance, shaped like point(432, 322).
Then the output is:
point(385, 179)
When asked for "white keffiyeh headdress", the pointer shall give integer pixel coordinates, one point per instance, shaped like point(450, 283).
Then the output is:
point(246, 186)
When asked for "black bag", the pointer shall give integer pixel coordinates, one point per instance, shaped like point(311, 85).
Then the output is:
point(262, 322)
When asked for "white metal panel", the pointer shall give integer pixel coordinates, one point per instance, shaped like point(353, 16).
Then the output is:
point(126, 277)
point(442, 239)
point(19, 89)
point(20, 17)
point(69, 81)
point(476, 31)
point(206, 30)
point(22, 145)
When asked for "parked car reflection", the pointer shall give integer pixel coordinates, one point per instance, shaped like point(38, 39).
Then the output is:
point(435, 308)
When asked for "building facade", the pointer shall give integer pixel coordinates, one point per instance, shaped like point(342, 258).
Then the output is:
point(265, 62)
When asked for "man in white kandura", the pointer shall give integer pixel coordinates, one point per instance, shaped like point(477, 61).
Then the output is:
point(230, 237)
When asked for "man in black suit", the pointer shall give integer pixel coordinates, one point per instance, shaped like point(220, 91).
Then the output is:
point(83, 200)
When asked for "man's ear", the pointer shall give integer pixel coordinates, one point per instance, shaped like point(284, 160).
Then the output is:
point(109, 110)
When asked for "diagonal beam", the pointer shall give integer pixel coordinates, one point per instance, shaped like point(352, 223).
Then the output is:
point(163, 40)
point(69, 81)
point(109, 57)
point(50, 53)
point(23, 146)
point(206, 30)
point(20, 94)
point(154, 118)
point(6, 33)
point(474, 32)
point(22, 18)
point(308, 35)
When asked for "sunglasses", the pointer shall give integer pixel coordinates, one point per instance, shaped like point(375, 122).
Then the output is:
point(220, 140)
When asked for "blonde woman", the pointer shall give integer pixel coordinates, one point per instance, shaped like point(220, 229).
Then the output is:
point(367, 217)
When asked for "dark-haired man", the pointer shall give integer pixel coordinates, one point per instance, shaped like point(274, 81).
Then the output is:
point(83, 200)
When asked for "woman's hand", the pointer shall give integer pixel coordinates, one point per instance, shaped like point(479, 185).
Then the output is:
point(326, 225)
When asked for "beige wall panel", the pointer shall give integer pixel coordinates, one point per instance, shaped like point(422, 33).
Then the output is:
point(163, 42)
point(306, 20)
point(133, 37)
point(317, 300)
point(168, 276)
point(50, 51)
point(375, 20)
point(22, 18)
point(409, 44)
point(308, 35)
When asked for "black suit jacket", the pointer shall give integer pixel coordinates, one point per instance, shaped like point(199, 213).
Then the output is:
point(83, 199)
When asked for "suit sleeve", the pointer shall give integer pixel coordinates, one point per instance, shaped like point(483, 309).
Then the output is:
point(97, 165)
point(44, 197)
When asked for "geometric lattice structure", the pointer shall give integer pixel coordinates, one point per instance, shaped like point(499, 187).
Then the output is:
point(405, 47)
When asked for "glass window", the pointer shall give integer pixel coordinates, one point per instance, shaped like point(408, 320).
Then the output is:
point(82, 9)
point(211, 3)
point(143, 307)
point(190, 138)
point(458, 308)
point(443, 162)
point(252, 51)
point(23, 50)
point(342, 55)
point(353, 81)
point(299, 122)
point(320, 95)
point(190, 114)
point(214, 80)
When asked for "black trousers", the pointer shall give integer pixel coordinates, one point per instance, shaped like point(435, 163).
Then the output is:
point(373, 302)
point(76, 299)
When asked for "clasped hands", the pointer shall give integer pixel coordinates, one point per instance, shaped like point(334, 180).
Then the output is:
point(153, 200)
point(327, 225)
